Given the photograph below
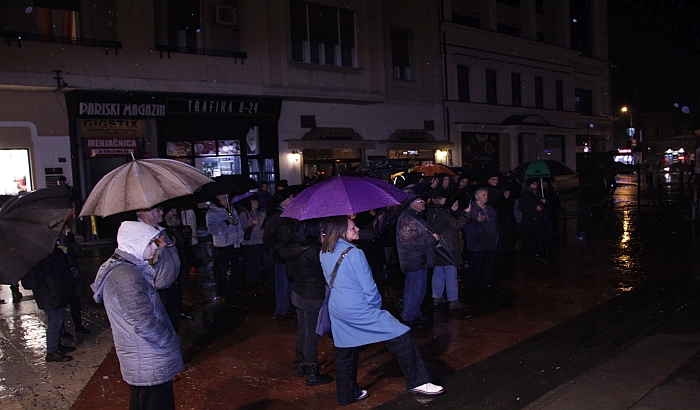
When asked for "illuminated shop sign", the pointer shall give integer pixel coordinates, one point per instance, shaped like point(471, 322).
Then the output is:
point(220, 107)
point(111, 147)
point(121, 109)
point(112, 128)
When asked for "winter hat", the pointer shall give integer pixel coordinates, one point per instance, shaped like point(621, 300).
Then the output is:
point(133, 237)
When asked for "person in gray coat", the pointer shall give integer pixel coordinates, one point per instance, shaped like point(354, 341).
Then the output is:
point(146, 343)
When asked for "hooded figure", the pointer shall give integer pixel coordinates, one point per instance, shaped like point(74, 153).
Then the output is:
point(146, 343)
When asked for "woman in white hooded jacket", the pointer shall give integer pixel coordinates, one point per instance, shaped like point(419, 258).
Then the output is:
point(146, 343)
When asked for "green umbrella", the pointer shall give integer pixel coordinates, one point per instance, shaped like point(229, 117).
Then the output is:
point(537, 169)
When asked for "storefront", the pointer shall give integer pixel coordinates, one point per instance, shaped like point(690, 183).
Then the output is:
point(329, 151)
point(418, 147)
point(218, 134)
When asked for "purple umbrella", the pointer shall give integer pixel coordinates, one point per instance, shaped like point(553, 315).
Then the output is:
point(343, 196)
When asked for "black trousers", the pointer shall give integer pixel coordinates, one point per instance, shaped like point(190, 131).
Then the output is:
point(223, 258)
point(407, 354)
point(159, 397)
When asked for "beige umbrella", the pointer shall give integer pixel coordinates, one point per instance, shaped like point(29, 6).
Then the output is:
point(142, 184)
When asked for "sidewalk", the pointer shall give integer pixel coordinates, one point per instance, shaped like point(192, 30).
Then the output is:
point(241, 357)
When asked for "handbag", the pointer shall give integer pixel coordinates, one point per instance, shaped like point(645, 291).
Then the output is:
point(323, 323)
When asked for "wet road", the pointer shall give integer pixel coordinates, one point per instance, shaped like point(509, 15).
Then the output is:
point(610, 257)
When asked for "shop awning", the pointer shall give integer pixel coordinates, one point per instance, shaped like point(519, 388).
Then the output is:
point(334, 138)
point(415, 140)
point(323, 144)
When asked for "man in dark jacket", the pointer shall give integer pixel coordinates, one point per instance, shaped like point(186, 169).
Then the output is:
point(52, 283)
point(531, 206)
point(414, 242)
point(277, 233)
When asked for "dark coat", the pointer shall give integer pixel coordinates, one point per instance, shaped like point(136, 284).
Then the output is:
point(482, 236)
point(304, 270)
point(529, 200)
point(277, 234)
point(448, 225)
point(51, 281)
point(414, 242)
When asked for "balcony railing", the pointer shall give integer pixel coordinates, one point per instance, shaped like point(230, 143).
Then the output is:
point(202, 51)
point(19, 36)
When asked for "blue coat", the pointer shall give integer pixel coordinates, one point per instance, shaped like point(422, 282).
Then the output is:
point(355, 305)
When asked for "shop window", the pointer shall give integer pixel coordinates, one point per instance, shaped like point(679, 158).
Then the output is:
point(330, 162)
point(480, 149)
point(322, 34)
point(539, 92)
point(188, 26)
point(14, 171)
point(491, 87)
point(401, 54)
point(553, 147)
point(516, 90)
point(463, 83)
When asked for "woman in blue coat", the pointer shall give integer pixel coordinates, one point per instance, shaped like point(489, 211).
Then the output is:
point(357, 318)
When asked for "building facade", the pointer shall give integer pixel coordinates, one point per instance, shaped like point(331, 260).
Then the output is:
point(287, 89)
point(525, 80)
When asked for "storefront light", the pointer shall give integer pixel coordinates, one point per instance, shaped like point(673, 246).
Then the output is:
point(441, 155)
point(295, 156)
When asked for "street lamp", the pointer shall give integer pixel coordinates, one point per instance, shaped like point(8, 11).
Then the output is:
point(630, 131)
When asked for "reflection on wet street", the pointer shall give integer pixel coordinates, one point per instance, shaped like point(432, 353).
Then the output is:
point(240, 356)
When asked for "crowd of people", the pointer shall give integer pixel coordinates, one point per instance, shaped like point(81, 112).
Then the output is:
point(448, 227)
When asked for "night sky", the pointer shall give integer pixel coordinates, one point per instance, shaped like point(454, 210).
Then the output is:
point(654, 51)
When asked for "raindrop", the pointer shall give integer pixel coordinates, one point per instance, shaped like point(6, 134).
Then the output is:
point(685, 109)
point(676, 105)
point(198, 30)
point(575, 21)
point(28, 10)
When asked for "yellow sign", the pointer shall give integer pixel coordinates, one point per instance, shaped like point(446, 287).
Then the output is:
point(90, 128)
point(93, 225)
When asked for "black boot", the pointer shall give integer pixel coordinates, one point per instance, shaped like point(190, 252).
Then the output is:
point(300, 362)
point(314, 378)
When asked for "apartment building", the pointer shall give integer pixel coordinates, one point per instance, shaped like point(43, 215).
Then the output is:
point(277, 89)
point(525, 80)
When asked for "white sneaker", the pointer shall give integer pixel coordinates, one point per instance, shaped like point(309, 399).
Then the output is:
point(363, 395)
point(428, 389)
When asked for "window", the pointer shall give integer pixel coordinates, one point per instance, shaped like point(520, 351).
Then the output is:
point(539, 93)
point(322, 34)
point(491, 87)
point(560, 95)
point(516, 91)
point(463, 83)
point(466, 12)
point(60, 21)
point(580, 12)
point(186, 26)
point(584, 101)
point(400, 54)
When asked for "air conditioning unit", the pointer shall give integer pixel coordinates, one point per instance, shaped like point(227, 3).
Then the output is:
point(226, 15)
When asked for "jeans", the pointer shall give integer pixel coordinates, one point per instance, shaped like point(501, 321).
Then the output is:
point(283, 291)
point(445, 277)
point(414, 289)
point(307, 316)
point(53, 329)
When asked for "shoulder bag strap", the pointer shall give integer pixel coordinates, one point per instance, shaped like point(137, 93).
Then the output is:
point(337, 264)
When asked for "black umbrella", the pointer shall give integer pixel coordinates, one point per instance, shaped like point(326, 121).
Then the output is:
point(381, 169)
point(228, 184)
point(29, 227)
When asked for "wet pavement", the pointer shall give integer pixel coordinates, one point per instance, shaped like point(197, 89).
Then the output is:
point(610, 322)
